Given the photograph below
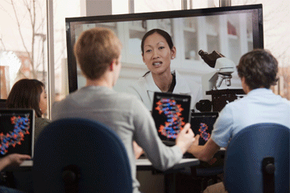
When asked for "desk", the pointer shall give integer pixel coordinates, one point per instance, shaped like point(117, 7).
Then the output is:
point(26, 164)
point(145, 164)
point(142, 164)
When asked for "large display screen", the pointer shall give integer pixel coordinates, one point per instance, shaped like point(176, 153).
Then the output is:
point(231, 31)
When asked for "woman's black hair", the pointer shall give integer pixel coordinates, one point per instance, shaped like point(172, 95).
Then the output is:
point(25, 93)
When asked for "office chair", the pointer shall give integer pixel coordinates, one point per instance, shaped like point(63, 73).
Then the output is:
point(257, 160)
point(80, 155)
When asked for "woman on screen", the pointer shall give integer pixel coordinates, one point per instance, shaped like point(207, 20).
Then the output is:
point(157, 52)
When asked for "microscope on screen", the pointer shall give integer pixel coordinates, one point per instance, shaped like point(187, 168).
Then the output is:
point(212, 82)
point(222, 70)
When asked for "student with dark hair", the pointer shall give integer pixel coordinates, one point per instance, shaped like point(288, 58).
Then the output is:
point(98, 52)
point(257, 70)
point(157, 52)
point(30, 93)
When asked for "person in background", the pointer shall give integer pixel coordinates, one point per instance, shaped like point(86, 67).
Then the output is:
point(30, 93)
point(98, 53)
point(11, 160)
point(157, 52)
point(257, 70)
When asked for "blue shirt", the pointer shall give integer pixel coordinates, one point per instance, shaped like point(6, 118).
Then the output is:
point(258, 106)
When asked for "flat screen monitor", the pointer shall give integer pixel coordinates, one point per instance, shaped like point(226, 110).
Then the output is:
point(16, 131)
point(232, 31)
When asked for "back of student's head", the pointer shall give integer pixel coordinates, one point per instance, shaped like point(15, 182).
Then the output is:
point(95, 49)
point(259, 68)
point(25, 93)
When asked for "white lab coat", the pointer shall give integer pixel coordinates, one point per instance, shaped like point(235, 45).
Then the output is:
point(145, 87)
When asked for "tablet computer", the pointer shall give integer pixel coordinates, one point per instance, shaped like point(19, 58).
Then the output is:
point(170, 113)
point(202, 124)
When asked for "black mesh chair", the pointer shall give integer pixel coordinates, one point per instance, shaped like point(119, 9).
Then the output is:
point(257, 160)
point(79, 155)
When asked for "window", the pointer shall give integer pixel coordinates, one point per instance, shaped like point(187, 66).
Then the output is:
point(22, 43)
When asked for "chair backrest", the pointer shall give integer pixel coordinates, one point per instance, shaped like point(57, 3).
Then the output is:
point(80, 155)
point(244, 170)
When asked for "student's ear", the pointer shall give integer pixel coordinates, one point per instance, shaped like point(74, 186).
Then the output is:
point(112, 65)
point(246, 88)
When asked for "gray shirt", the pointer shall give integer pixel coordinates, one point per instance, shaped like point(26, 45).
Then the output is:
point(127, 116)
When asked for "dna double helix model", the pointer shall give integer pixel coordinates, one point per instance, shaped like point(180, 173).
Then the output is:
point(203, 131)
point(174, 121)
point(13, 138)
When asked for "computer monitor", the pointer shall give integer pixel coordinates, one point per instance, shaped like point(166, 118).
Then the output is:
point(17, 131)
point(232, 31)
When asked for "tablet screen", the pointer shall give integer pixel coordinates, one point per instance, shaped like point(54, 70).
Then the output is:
point(170, 113)
point(202, 124)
